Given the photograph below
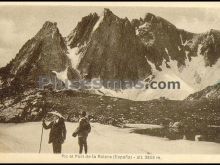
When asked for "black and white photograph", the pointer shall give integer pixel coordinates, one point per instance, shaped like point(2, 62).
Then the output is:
point(109, 79)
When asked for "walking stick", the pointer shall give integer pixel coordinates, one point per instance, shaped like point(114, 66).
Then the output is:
point(42, 131)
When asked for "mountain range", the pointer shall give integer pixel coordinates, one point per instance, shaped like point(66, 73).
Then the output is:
point(107, 47)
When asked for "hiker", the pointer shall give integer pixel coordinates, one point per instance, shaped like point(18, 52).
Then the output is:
point(82, 131)
point(57, 131)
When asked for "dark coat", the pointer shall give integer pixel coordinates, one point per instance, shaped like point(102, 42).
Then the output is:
point(83, 129)
point(57, 132)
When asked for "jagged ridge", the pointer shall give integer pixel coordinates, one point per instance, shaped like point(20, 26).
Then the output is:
point(153, 37)
point(40, 56)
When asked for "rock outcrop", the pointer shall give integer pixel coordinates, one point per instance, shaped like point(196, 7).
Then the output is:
point(40, 56)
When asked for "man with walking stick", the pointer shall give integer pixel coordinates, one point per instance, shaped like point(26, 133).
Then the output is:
point(57, 134)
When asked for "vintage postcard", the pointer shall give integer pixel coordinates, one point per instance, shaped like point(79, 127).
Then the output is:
point(93, 82)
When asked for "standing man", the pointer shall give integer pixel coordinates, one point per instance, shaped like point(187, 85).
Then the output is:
point(57, 134)
point(82, 131)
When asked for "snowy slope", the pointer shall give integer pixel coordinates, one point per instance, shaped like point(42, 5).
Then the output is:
point(193, 77)
point(103, 139)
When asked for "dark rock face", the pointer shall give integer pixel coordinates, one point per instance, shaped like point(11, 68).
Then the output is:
point(211, 92)
point(209, 46)
point(115, 48)
point(113, 51)
point(44, 53)
point(27, 106)
point(111, 48)
point(83, 30)
point(162, 40)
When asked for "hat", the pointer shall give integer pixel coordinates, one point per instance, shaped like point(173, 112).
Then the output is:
point(57, 114)
point(83, 113)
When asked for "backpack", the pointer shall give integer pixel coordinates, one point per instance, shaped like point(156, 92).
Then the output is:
point(85, 125)
point(89, 127)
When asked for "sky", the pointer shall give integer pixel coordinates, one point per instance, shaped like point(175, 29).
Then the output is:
point(18, 23)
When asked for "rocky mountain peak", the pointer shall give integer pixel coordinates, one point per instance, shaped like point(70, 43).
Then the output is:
point(49, 28)
point(89, 24)
point(213, 31)
point(108, 47)
point(111, 50)
point(49, 25)
point(82, 32)
point(43, 54)
point(210, 92)
point(107, 12)
point(158, 21)
point(149, 17)
point(108, 15)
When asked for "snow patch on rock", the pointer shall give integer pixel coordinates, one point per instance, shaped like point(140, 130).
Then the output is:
point(74, 56)
point(181, 39)
point(1, 83)
point(98, 22)
point(62, 75)
point(185, 76)
point(20, 65)
point(136, 31)
point(144, 25)
point(167, 51)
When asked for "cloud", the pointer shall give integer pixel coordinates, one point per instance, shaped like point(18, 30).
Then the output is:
point(12, 36)
point(7, 40)
point(20, 23)
point(200, 23)
point(6, 55)
point(7, 31)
